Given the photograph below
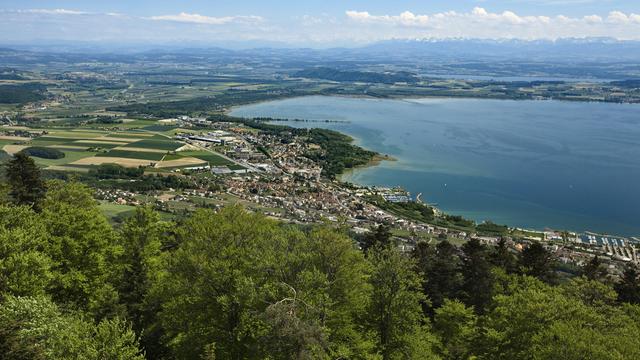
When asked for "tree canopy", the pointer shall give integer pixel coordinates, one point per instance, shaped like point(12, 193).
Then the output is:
point(231, 284)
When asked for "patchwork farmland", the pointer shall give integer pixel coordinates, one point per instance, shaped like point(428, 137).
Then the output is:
point(80, 149)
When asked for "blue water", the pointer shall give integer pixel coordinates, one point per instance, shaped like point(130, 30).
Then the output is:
point(534, 164)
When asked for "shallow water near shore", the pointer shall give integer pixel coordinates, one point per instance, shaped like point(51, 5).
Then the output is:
point(535, 164)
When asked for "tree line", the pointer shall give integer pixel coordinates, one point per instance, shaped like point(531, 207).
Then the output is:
point(237, 285)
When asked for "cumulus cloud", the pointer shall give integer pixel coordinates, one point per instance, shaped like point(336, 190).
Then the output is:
point(406, 18)
point(202, 19)
point(349, 28)
point(507, 24)
point(622, 18)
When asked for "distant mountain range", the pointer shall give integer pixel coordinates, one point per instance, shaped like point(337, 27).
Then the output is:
point(597, 49)
point(586, 48)
point(590, 58)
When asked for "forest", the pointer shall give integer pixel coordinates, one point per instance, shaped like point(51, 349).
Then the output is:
point(237, 285)
point(22, 93)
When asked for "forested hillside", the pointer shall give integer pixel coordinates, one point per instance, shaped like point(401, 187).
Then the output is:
point(20, 94)
point(237, 285)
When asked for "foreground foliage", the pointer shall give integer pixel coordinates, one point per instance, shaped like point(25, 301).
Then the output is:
point(236, 285)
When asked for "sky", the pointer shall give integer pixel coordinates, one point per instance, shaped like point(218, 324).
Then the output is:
point(312, 22)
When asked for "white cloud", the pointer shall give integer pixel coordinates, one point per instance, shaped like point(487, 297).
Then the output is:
point(478, 14)
point(622, 18)
point(480, 23)
point(593, 19)
point(202, 19)
point(52, 12)
point(351, 28)
point(406, 18)
point(617, 17)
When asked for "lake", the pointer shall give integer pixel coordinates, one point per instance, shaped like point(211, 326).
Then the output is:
point(533, 164)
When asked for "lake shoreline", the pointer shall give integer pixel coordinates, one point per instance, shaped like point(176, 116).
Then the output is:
point(376, 160)
point(388, 180)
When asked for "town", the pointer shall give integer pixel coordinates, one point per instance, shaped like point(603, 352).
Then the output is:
point(271, 173)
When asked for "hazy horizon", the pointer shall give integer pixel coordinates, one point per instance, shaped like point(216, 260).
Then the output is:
point(314, 23)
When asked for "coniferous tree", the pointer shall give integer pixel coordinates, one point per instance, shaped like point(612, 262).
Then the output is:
point(477, 283)
point(5, 189)
point(380, 237)
point(628, 288)
point(502, 257)
point(424, 255)
point(141, 237)
point(442, 280)
point(594, 269)
point(25, 181)
point(536, 261)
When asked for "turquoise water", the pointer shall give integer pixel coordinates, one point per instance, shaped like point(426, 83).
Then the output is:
point(534, 164)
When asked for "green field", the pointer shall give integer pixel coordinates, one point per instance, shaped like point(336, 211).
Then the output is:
point(52, 140)
point(6, 142)
point(132, 135)
point(71, 147)
point(113, 211)
point(213, 159)
point(97, 145)
point(73, 134)
point(160, 128)
point(133, 155)
point(69, 157)
point(157, 144)
point(80, 140)
point(170, 157)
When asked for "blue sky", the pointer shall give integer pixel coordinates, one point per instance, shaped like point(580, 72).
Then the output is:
point(285, 8)
point(313, 22)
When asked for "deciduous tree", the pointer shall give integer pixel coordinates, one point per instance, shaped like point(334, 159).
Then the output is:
point(84, 248)
point(395, 310)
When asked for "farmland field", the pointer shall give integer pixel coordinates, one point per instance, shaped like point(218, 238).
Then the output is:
point(132, 135)
point(115, 210)
point(53, 139)
point(160, 128)
point(98, 144)
point(99, 160)
point(126, 148)
point(168, 145)
point(155, 156)
point(12, 149)
point(182, 162)
point(69, 157)
point(211, 158)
